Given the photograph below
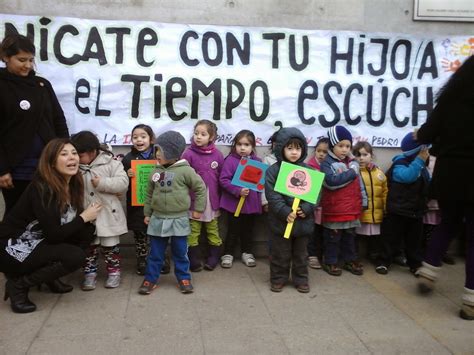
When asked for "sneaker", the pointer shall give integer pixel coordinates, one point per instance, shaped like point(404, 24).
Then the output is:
point(313, 262)
point(248, 259)
point(226, 261)
point(185, 286)
point(332, 269)
point(277, 287)
point(467, 312)
point(113, 280)
point(303, 288)
point(146, 288)
point(381, 269)
point(354, 268)
point(89, 282)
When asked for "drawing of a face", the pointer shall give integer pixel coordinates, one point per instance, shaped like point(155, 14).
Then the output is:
point(298, 178)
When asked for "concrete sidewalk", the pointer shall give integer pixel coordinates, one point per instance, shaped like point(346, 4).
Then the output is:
point(234, 312)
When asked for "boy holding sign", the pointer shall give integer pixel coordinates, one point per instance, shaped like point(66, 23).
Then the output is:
point(289, 253)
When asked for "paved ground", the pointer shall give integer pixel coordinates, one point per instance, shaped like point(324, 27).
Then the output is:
point(234, 312)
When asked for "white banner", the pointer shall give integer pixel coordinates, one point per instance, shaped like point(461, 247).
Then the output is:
point(111, 75)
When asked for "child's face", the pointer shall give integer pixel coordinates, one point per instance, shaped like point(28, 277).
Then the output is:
point(342, 149)
point(87, 157)
point(161, 159)
point(243, 147)
point(364, 157)
point(140, 140)
point(201, 136)
point(292, 153)
point(321, 151)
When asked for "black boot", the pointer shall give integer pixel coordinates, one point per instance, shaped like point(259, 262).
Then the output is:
point(57, 286)
point(194, 256)
point(213, 257)
point(17, 290)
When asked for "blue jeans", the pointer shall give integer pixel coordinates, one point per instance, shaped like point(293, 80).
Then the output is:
point(339, 242)
point(156, 258)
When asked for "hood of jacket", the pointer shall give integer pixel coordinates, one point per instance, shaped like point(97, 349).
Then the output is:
point(283, 137)
point(101, 159)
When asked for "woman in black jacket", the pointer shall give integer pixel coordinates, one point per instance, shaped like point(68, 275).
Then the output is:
point(30, 116)
point(45, 234)
point(450, 129)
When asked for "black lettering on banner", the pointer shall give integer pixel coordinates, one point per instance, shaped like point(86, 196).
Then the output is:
point(265, 100)
point(274, 37)
point(428, 54)
point(231, 103)
point(213, 62)
point(370, 105)
point(347, 56)
point(183, 51)
point(94, 40)
point(119, 33)
point(417, 106)
point(63, 30)
point(393, 114)
point(82, 83)
point(157, 96)
point(98, 110)
point(347, 98)
point(327, 97)
point(304, 63)
point(146, 37)
point(242, 51)
point(214, 88)
point(11, 29)
point(383, 57)
point(302, 96)
point(44, 21)
point(360, 55)
point(172, 94)
point(393, 59)
point(137, 80)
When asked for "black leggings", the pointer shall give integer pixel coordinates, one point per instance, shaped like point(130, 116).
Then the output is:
point(70, 256)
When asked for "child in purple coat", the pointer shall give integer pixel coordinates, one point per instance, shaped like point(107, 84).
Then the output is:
point(207, 161)
point(242, 226)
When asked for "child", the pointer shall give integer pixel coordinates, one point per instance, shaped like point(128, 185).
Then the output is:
point(288, 254)
point(142, 149)
point(408, 181)
point(239, 227)
point(375, 183)
point(104, 181)
point(342, 202)
point(207, 160)
point(316, 240)
point(166, 211)
point(269, 159)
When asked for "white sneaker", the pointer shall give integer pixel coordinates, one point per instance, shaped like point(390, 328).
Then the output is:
point(113, 280)
point(248, 260)
point(313, 262)
point(89, 282)
point(226, 261)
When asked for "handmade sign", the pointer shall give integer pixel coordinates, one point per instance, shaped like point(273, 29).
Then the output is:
point(250, 174)
point(142, 170)
point(300, 183)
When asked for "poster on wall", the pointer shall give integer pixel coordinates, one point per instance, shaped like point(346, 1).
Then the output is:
point(111, 75)
point(444, 10)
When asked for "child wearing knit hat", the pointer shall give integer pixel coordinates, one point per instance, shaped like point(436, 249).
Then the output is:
point(343, 198)
point(408, 181)
point(166, 208)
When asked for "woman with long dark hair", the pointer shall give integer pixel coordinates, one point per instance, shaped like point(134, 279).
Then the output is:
point(45, 234)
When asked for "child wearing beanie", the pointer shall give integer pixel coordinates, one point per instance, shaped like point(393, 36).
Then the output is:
point(343, 198)
point(166, 208)
point(407, 199)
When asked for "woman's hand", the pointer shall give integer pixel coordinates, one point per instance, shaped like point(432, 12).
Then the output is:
point(146, 220)
point(6, 181)
point(91, 212)
point(244, 192)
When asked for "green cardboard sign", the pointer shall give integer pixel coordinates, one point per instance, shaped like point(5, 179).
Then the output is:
point(142, 170)
point(296, 181)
